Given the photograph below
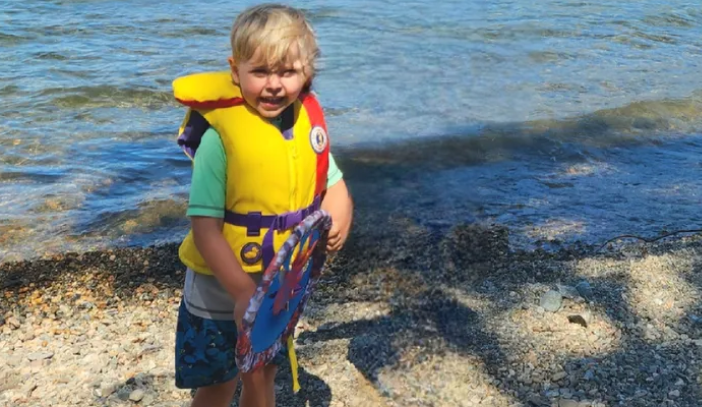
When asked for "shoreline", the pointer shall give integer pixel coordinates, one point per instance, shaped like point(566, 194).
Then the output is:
point(404, 314)
point(438, 180)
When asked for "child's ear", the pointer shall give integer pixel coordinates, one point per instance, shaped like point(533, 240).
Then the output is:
point(235, 71)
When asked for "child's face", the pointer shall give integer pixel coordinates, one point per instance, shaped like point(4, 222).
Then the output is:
point(268, 90)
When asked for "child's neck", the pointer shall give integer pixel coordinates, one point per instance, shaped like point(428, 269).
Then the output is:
point(280, 119)
point(276, 121)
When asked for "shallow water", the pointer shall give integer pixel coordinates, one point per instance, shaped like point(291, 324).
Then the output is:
point(561, 119)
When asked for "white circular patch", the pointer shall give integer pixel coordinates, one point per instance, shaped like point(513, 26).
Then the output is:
point(318, 139)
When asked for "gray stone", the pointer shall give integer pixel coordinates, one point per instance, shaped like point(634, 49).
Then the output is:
point(551, 301)
point(584, 289)
point(141, 379)
point(106, 389)
point(136, 395)
point(568, 291)
point(124, 393)
point(13, 323)
point(536, 400)
point(553, 393)
point(40, 356)
point(559, 376)
point(148, 400)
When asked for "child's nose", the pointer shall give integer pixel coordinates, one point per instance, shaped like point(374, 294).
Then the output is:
point(274, 85)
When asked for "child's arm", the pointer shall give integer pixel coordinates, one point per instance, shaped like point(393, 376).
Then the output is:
point(337, 202)
point(206, 213)
point(215, 250)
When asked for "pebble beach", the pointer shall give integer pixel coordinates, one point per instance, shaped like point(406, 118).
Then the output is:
point(424, 319)
point(491, 148)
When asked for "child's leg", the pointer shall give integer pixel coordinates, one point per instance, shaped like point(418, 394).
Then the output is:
point(205, 358)
point(270, 373)
point(259, 390)
point(218, 395)
point(253, 390)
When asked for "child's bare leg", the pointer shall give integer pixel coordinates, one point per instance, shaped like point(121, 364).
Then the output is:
point(218, 395)
point(253, 390)
point(270, 373)
point(259, 391)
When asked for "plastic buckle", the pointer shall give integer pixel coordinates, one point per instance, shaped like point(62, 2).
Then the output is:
point(253, 224)
point(280, 222)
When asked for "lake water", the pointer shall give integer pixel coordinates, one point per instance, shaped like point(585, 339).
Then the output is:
point(562, 119)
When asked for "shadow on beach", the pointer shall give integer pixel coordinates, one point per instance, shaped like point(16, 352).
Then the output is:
point(639, 346)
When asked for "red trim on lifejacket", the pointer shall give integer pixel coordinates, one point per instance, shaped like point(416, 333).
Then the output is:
point(212, 104)
point(316, 115)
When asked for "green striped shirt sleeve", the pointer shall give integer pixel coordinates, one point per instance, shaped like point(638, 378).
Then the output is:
point(334, 174)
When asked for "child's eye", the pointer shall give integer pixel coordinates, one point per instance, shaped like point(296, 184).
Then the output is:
point(260, 72)
point(289, 72)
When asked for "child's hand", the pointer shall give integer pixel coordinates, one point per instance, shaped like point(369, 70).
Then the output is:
point(334, 240)
point(337, 202)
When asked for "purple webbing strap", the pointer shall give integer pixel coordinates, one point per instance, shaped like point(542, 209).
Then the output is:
point(192, 134)
point(254, 221)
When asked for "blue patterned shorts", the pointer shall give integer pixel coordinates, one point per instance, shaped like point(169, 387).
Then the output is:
point(205, 351)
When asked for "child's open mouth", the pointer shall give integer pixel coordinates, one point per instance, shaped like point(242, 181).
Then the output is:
point(272, 102)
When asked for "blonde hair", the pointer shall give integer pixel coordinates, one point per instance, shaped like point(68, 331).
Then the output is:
point(280, 33)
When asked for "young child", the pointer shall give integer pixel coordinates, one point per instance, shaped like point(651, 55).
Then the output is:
point(260, 148)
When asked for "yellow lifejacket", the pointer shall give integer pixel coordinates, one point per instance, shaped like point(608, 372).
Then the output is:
point(274, 178)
